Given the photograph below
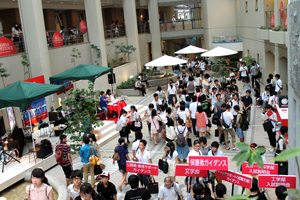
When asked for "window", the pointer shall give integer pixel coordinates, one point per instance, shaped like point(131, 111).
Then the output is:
point(256, 5)
point(246, 6)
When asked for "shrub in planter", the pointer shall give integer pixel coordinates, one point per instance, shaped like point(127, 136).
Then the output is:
point(128, 84)
point(266, 27)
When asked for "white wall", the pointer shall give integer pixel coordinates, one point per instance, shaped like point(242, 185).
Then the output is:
point(14, 68)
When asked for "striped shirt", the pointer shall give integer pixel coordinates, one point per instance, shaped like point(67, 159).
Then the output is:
point(65, 152)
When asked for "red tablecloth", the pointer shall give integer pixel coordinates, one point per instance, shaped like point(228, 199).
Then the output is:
point(116, 107)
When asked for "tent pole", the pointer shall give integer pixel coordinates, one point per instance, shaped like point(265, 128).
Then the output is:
point(52, 101)
point(31, 129)
point(95, 100)
point(167, 75)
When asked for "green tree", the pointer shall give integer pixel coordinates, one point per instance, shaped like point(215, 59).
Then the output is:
point(124, 51)
point(3, 73)
point(26, 65)
point(75, 55)
point(98, 53)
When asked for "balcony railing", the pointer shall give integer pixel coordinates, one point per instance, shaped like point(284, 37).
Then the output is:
point(20, 45)
point(114, 31)
point(268, 17)
point(235, 38)
point(181, 25)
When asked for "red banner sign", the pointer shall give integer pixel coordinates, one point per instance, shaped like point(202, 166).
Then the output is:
point(184, 170)
point(281, 9)
point(273, 20)
point(272, 181)
point(7, 47)
point(285, 21)
point(141, 168)
point(57, 39)
point(256, 170)
point(235, 178)
point(209, 162)
point(83, 27)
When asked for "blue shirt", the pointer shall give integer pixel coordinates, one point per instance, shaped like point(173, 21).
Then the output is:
point(219, 153)
point(102, 102)
point(85, 153)
point(247, 101)
point(122, 152)
point(187, 104)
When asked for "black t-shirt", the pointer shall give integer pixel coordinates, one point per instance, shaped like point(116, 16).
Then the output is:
point(96, 197)
point(206, 106)
point(107, 192)
point(261, 196)
point(257, 84)
point(207, 197)
point(138, 194)
point(176, 67)
point(234, 87)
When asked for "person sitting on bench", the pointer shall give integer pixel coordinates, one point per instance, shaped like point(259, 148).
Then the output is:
point(140, 86)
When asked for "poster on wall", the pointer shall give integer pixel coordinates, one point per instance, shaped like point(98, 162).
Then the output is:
point(57, 39)
point(11, 118)
point(273, 20)
point(7, 47)
point(285, 21)
point(83, 27)
point(38, 108)
point(281, 9)
point(67, 83)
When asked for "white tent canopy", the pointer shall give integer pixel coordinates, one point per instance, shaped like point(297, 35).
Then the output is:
point(165, 61)
point(219, 51)
point(190, 50)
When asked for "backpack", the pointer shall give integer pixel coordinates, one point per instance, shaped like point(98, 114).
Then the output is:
point(215, 119)
point(58, 156)
point(180, 141)
point(118, 125)
point(244, 123)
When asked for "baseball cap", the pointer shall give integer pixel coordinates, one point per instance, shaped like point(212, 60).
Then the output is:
point(253, 145)
point(105, 174)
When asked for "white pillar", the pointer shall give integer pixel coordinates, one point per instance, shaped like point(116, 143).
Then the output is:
point(154, 28)
point(276, 13)
point(132, 35)
point(95, 28)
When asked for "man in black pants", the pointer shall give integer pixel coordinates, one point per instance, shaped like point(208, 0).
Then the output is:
point(140, 86)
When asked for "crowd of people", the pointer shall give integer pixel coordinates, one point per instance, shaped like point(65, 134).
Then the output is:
point(188, 107)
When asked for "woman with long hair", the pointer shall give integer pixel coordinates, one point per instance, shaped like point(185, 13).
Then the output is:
point(171, 157)
point(135, 117)
point(175, 105)
point(15, 35)
point(122, 150)
point(154, 120)
point(161, 94)
point(88, 193)
point(39, 187)
point(171, 91)
point(202, 120)
point(170, 131)
point(112, 97)
point(124, 133)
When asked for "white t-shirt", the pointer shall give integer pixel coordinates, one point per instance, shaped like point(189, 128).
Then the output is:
point(145, 158)
point(123, 120)
point(227, 118)
point(193, 153)
point(170, 132)
point(243, 73)
point(172, 90)
point(202, 66)
point(233, 103)
point(173, 159)
point(198, 81)
point(180, 129)
point(232, 75)
point(183, 115)
point(193, 109)
point(156, 104)
point(213, 98)
point(278, 85)
point(273, 117)
point(72, 192)
point(136, 144)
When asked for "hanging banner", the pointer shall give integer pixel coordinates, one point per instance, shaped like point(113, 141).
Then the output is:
point(208, 162)
point(141, 168)
point(38, 108)
point(184, 170)
point(83, 27)
point(272, 20)
point(57, 39)
point(235, 178)
point(285, 21)
point(256, 170)
point(7, 47)
point(68, 85)
point(281, 9)
point(272, 181)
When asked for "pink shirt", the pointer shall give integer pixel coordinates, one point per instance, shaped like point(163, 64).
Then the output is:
point(201, 119)
point(38, 193)
point(154, 122)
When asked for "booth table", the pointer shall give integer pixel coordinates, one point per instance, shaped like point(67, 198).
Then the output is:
point(59, 130)
point(116, 107)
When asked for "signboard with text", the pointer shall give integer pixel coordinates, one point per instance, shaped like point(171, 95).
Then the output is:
point(272, 181)
point(273, 20)
point(281, 9)
point(209, 162)
point(7, 47)
point(83, 27)
point(256, 170)
point(67, 83)
point(184, 170)
point(235, 178)
point(58, 40)
point(142, 168)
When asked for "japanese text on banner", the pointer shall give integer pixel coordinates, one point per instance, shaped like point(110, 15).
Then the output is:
point(209, 162)
point(256, 170)
point(272, 181)
point(235, 178)
point(184, 170)
point(141, 168)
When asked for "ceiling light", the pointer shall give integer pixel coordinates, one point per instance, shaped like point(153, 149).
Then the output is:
point(61, 2)
point(74, 3)
point(48, 1)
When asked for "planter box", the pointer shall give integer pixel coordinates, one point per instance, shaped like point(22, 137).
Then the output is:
point(162, 81)
point(263, 34)
point(128, 92)
point(277, 37)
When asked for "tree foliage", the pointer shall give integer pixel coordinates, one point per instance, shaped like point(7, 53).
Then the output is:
point(26, 65)
point(75, 54)
point(3, 73)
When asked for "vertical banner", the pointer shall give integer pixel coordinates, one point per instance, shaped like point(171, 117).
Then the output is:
point(285, 21)
point(281, 9)
point(273, 20)
point(38, 108)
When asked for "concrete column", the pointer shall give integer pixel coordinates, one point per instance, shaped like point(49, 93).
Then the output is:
point(132, 35)
point(154, 28)
point(276, 59)
point(276, 13)
point(95, 28)
point(31, 12)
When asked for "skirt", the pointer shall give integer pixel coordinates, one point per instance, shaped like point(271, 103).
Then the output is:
point(170, 98)
point(203, 129)
point(171, 171)
point(153, 131)
point(125, 131)
point(182, 151)
point(122, 169)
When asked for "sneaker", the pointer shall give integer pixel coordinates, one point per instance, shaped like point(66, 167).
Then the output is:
point(221, 143)
point(272, 150)
point(227, 148)
point(208, 133)
point(234, 148)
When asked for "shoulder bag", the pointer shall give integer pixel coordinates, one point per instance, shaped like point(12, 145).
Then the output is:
point(268, 125)
point(163, 166)
point(152, 186)
point(188, 122)
point(93, 159)
point(223, 123)
point(116, 155)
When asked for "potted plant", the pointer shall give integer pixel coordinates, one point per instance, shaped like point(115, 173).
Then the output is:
point(278, 35)
point(263, 32)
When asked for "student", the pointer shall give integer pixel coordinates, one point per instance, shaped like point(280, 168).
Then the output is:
point(279, 191)
point(88, 193)
point(181, 143)
point(202, 68)
point(213, 95)
point(247, 103)
point(239, 123)
point(233, 85)
point(187, 102)
point(254, 72)
point(215, 152)
point(257, 90)
point(193, 110)
point(217, 85)
point(39, 187)
point(244, 71)
point(202, 120)
point(74, 189)
point(255, 191)
point(103, 102)
point(135, 145)
point(272, 132)
point(171, 157)
point(136, 193)
point(198, 94)
point(220, 191)
point(206, 106)
point(269, 86)
point(278, 85)
point(191, 87)
point(156, 102)
point(281, 146)
point(265, 97)
point(171, 91)
point(231, 74)
point(227, 120)
point(170, 131)
point(140, 86)
point(205, 148)
point(154, 120)
point(247, 84)
point(148, 114)
point(198, 82)
point(106, 188)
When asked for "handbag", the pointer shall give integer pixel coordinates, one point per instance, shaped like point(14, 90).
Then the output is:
point(116, 155)
point(217, 133)
point(93, 159)
point(188, 122)
point(189, 141)
point(137, 124)
point(163, 166)
point(97, 170)
point(152, 186)
point(268, 125)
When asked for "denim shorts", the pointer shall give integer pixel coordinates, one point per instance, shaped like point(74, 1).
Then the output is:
point(239, 132)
